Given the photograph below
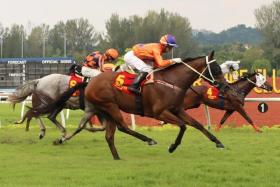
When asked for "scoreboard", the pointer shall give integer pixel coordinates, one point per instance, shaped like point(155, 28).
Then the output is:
point(15, 71)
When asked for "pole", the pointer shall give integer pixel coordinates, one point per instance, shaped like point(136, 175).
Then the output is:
point(62, 119)
point(133, 124)
point(43, 46)
point(64, 44)
point(1, 45)
point(208, 118)
point(21, 45)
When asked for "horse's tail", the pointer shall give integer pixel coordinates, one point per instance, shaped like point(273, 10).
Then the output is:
point(23, 91)
point(68, 93)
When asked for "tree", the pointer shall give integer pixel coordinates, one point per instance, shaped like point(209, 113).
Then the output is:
point(123, 33)
point(81, 38)
point(13, 39)
point(250, 56)
point(268, 17)
point(38, 37)
point(261, 64)
point(56, 39)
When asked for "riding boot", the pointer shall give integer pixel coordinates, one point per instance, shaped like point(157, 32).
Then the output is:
point(136, 83)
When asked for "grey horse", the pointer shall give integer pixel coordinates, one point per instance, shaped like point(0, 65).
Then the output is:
point(45, 92)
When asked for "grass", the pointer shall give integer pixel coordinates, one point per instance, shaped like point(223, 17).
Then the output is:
point(249, 159)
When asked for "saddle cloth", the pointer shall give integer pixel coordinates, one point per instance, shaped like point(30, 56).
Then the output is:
point(75, 79)
point(124, 79)
point(212, 93)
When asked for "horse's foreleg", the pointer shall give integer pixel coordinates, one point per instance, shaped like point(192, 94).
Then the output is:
point(248, 119)
point(52, 117)
point(82, 124)
point(224, 118)
point(95, 129)
point(167, 116)
point(192, 122)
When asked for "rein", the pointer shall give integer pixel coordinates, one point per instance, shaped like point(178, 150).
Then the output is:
point(213, 81)
point(201, 74)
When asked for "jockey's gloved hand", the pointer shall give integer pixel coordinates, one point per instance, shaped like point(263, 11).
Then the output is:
point(176, 60)
point(235, 67)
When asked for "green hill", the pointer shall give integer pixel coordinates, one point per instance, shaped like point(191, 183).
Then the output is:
point(238, 34)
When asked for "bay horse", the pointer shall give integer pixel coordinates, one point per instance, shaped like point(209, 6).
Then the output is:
point(244, 85)
point(162, 100)
point(197, 95)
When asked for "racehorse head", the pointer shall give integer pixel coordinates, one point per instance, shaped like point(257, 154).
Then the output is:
point(214, 71)
point(206, 67)
point(258, 80)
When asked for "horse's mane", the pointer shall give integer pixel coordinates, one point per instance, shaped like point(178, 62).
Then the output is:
point(243, 78)
point(191, 59)
point(186, 60)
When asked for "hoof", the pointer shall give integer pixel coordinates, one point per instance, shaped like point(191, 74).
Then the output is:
point(152, 142)
point(57, 141)
point(41, 136)
point(258, 131)
point(172, 148)
point(220, 145)
point(218, 128)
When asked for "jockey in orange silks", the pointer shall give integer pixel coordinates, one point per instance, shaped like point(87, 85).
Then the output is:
point(94, 63)
point(146, 57)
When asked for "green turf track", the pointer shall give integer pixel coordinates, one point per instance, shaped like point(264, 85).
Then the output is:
point(249, 159)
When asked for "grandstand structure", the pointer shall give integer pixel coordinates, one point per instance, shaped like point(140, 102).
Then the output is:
point(15, 71)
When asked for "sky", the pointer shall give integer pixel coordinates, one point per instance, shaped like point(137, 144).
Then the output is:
point(214, 15)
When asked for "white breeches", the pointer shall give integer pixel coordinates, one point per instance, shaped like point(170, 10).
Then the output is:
point(135, 62)
point(89, 72)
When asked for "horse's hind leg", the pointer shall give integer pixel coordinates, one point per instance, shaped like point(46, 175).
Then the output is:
point(95, 129)
point(115, 113)
point(224, 118)
point(24, 117)
point(29, 118)
point(110, 132)
point(42, 128)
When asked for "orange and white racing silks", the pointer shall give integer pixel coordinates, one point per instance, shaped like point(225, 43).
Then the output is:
point(95, 60)
point(151, 52)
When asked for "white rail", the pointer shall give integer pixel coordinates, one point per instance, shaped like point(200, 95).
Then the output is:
point(271, 99)
point(249, 99)
point(3, 99)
